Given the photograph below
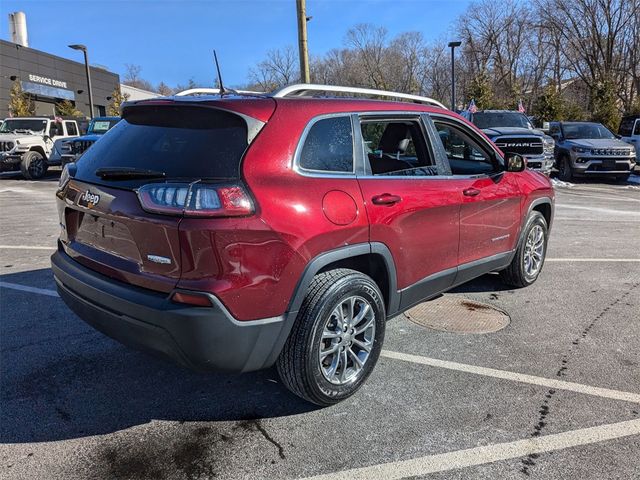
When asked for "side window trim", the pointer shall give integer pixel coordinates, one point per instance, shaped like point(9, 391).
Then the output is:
point(442, 162)
point(299, 169)
point(485, 145)
point(365, 170)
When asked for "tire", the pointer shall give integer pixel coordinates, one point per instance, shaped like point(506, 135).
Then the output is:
point(33, 165)
point(300, 366)
point(565, 173)
point(523, 269)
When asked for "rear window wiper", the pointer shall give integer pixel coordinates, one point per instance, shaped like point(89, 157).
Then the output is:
point(116, 173)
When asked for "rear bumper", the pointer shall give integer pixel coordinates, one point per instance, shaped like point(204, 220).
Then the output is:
point(196, 337)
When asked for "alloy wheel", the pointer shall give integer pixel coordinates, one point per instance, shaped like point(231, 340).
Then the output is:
point(36, 168)
point(347, 339)
point(534, 251)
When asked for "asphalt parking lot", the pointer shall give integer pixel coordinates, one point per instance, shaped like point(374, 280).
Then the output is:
point(555, 394)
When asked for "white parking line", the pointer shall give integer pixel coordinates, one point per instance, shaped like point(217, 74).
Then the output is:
point(25, 247)
point(614, 260)
point(516, 377)
point(24, 288)
point(607, 211)
point(491, 453)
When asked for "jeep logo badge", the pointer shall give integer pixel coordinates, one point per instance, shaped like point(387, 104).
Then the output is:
point(90, 199)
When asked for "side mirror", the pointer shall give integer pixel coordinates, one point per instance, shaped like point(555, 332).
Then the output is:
point(515, 162)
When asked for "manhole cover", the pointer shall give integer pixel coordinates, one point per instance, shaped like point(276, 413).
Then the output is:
point(460, 315)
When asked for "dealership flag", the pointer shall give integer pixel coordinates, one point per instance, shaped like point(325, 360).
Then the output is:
point(472, 106)
point(521, 107)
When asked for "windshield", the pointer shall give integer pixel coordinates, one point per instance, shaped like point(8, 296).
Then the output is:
point(181, 142)
point(501, 119)
point(34, 125)
point(574, 131)
point(100, 126)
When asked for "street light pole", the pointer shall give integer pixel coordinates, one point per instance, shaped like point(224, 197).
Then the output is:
point(453, 46)
point(302, 41)
point(86, 67)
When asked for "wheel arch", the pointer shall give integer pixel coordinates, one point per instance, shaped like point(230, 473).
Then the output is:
point(543, 205)
point(373, 259)
point(40, 150)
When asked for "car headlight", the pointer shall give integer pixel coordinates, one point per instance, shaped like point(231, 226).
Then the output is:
point(580, 150)
point(549, 144)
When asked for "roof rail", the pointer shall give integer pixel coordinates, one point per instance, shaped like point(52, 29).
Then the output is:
point(302, 89)
point(214, 91)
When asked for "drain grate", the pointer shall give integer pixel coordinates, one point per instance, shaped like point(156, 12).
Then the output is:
point(458, 315)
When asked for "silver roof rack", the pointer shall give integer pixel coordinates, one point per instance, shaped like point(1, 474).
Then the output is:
point(214, 91)
point(304, 89)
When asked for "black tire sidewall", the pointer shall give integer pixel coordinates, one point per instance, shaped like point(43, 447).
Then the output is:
point(565, 169)
point(28, 159)
point(536, 218)
point(351, 285)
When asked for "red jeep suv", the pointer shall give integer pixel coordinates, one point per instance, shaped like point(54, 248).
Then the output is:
point(239, 232)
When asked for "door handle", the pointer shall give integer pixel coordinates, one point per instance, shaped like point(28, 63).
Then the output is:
point(471, 192)
point(386, 199)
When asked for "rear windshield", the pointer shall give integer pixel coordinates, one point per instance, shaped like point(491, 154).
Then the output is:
point(184, 142)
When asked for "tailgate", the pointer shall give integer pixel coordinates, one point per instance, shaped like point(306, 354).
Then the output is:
point(105, 229)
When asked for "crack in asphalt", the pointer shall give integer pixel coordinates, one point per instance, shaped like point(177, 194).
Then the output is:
point(530, 460)
point(269, 438)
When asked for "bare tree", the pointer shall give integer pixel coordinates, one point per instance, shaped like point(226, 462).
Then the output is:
point(132, 77)
point(277, 70)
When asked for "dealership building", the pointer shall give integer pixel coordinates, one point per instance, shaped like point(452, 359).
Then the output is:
point(50, 79)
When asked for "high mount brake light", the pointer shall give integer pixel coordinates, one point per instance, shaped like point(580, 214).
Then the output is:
point(196, 199)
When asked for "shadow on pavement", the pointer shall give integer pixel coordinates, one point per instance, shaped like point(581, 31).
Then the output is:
point(61, 379)
point(52, 175)
point(486, 283)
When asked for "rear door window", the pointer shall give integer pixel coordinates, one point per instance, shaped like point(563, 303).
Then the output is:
point(186, 143)
point(328, 146)
point(397, 148)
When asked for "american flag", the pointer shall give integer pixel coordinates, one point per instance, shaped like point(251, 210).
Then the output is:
point(472, 106)
point(521, 107)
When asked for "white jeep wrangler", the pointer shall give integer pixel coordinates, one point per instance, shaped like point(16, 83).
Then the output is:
point(26, 143)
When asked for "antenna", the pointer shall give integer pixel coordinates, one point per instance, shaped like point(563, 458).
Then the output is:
point(222, 90)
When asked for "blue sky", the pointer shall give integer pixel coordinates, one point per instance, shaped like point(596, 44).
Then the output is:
point(172, 40)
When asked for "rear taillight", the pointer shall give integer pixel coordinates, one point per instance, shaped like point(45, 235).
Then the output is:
point(196, 199)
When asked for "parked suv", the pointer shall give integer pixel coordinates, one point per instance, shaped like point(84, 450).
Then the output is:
point(26, 143)
point(72, 149)
point(630, 131)
point(587, 148)
point(235, 233)
point(513, 132)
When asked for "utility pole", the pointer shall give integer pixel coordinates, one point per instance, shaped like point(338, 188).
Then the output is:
point(452, 46)
point(302, 41)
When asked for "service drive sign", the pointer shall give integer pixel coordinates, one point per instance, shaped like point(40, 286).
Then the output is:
point(47, 81)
